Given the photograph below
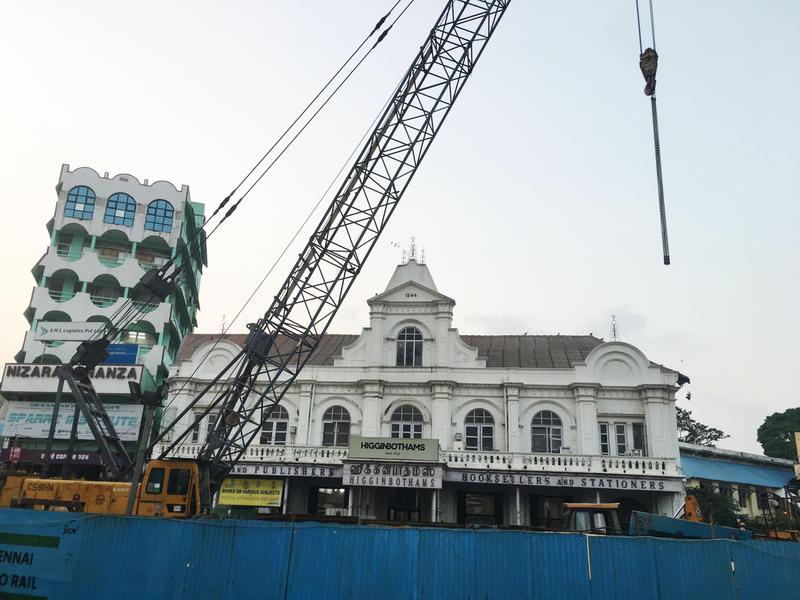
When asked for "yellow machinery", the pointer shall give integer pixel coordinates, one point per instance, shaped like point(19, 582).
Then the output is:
point(171, 488)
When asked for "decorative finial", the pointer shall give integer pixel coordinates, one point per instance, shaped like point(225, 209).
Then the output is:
point(413, 249)
point(614, 327)
point(422, 257)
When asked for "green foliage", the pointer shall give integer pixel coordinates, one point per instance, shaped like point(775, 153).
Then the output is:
point(776, 434)
point(695, 432)
point(763, 523)
point(715, 506)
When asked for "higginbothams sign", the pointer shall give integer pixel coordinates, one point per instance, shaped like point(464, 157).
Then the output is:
point(370, 448)
point(375, 474)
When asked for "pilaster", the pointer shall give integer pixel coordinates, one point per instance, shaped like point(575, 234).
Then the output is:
point(587, 438)
point(511, 393)
point(372, 399)
point(442, 395)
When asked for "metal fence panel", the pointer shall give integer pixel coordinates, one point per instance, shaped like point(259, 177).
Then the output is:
point(67, 555)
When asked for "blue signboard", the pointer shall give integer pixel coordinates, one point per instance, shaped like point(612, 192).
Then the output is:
point(122, 354)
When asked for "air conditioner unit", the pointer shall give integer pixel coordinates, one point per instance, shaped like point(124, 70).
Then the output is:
point(565, 450)
point(458, 436)
point(635, 453)
point(293, 429)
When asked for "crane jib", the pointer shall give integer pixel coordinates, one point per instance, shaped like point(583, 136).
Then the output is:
point(325, 270)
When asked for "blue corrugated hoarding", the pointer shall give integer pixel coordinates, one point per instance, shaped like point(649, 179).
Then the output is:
point(66, 556)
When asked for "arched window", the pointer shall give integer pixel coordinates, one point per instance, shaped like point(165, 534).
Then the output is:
point(479, 430)
point(274, 426)
point(407, 422)
point(336, 426)
point(409, 347)
point(120, 209)
point(546, 432)
point(80, 203)
point(159, 216)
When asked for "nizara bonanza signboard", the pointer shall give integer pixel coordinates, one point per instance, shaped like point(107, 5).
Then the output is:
point(394, 449)
point(73, 331)
point(32, 420)
point(237, 491)
point(27, 378)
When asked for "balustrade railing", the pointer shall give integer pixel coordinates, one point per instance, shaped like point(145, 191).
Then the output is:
point(465, 459)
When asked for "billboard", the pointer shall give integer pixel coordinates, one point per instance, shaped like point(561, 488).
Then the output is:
point(394, 449)
point(71, 331)
point(236, 491)
point(32, 420)
point(30, 378)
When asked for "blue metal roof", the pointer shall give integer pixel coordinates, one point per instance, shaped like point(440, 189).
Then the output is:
point(735, 472)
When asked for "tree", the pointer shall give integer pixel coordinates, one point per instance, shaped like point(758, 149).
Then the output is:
point(692, 431)
point(716, 505)
point(776, 434)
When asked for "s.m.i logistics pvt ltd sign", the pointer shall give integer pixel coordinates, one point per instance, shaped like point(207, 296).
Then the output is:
point(394, 449)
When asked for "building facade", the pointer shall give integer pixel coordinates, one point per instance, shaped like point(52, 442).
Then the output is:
point(105, 234)
point(757, 484)
point(412, 421)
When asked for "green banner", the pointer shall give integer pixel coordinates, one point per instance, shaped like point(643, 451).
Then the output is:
point(394, 449)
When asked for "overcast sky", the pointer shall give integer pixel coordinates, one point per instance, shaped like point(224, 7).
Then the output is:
point(536, 205)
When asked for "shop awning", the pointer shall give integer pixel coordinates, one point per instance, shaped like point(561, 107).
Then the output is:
point(695, 467)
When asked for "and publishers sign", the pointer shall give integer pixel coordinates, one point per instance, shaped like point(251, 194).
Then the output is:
point(72, 331)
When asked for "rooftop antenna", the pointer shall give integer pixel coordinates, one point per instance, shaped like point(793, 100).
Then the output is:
point(403, 257)
point(614, 332)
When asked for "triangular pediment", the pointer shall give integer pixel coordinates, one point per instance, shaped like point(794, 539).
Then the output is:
point(411, 291)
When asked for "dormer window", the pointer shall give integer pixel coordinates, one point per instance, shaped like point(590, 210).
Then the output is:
point(409, 347)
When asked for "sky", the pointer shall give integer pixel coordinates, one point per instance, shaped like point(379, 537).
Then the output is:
point(536, 206)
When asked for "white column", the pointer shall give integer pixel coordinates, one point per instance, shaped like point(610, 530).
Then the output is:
point(305, 410)
point(442, 393)
point(662, 434)
point(517, 512)
point(372, 395)
point(285, 500)
point(587, 437)
point(511, 392)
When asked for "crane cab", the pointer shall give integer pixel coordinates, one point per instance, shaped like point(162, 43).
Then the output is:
point(591, 517)
point(173, 489)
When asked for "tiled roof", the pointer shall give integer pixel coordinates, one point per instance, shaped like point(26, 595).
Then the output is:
point(526, 351)
point(533, 351)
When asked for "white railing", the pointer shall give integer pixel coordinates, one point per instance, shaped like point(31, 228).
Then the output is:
point(464, 459)
point(269, 454)
point(557, 463)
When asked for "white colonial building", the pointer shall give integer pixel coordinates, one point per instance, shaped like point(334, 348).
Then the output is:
point(508, 426)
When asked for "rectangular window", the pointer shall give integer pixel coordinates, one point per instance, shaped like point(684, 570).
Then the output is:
point(274, 433)
point(639, 439)
point(540, 439)
point(155, 481)
point(178, 482)
point(604, 448)
point(621, 438)
point(743, 495)
point(479, 437)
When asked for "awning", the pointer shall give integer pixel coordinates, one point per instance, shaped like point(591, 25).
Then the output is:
point(695, 467)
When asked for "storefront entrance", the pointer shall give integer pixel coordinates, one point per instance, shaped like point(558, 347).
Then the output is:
point(327, 501)
point(409, 506)
point(480, 509)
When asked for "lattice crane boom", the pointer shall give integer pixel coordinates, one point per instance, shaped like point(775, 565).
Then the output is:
point(282, 341)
